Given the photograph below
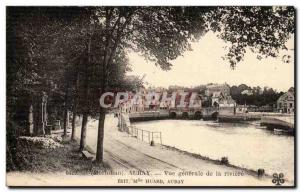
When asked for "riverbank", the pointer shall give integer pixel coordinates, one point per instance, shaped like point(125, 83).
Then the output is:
point(127, 153)
point(249, 172)
point(130, 159)
point(238, 118)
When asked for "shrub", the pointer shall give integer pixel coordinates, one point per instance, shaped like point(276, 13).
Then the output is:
point(224, 160)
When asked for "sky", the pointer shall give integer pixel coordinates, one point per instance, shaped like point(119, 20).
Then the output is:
point(204, 64)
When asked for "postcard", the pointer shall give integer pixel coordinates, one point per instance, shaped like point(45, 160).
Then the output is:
point(150, 96)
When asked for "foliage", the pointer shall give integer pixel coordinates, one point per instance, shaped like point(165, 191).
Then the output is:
point(258, 96)
point(264, 30)
point(77, 53)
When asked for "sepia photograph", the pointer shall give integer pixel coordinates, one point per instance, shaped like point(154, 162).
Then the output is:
point(150, 96)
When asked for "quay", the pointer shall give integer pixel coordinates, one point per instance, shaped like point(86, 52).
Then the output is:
point(238, 118)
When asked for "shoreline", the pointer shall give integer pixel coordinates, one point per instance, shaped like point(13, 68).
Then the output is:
point(216, 161)
point(183, 160)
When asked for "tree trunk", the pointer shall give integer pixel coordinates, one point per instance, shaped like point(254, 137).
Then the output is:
point(66, 119)
point(65, 122)
point(38, 125)
point(30, 120)
point(73, 123)
point(10, 164)
point(99, 154)
point(83, 132)
point(86, 94)
point(75, 107)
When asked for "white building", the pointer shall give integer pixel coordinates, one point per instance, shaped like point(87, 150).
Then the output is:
point(286, 102)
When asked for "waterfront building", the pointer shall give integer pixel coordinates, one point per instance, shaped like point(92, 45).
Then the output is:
point(216, 97)
point(286, 102)
point(138, 101)
point(197, 102)
point(154, 102)
point(227, 102)
point(167, 103)
point(138, 104)
point(219, 99)
point(212, 88)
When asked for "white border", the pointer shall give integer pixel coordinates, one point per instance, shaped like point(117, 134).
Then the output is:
point(5, 3)
point(150, 2)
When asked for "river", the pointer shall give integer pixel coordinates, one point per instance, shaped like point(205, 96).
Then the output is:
point(245, 145)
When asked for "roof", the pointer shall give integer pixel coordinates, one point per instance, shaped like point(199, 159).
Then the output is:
point(217, 94)
point(228, 100)
point(288, 96)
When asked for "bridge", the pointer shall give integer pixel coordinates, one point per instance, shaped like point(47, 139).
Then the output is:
point(283, 123)
point(175, 113)
point(203, 113)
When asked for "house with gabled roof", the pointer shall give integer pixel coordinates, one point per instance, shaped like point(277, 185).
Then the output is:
point(286, 102)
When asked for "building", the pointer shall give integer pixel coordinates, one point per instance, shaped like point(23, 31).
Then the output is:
point(166, 104)
point(219, 99)
point(138, 103)
point(216, 97)
point(286, 102)
point(211, 88)
point(227, 102)
point(152, 100)
point(197, 103)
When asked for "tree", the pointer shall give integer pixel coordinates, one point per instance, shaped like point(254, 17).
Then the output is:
point(94, 42)
point(263, 30)
point(44, 46)
point(162, 34)
point(29, 59)
point(30, 62)
point(159, 33)
point(234, 90)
